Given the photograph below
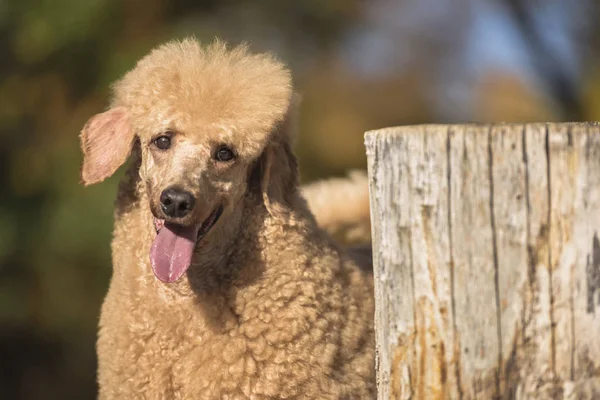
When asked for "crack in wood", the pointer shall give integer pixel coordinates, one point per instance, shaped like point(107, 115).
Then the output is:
point(495, 259)
point(456, 344)
point(550, 266)
point(593, 275)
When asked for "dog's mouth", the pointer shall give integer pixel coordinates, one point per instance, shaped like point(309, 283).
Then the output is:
point(172, 250)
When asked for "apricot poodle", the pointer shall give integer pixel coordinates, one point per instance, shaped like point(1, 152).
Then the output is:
point(224, 286)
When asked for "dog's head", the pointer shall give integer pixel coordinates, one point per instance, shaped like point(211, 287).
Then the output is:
point(211, 123)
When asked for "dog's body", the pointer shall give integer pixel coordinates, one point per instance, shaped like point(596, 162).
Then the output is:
point(268, 306)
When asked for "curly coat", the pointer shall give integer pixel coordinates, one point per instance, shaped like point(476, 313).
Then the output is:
point(271, 307)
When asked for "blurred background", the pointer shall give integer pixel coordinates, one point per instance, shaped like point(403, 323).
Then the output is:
point(359, 65)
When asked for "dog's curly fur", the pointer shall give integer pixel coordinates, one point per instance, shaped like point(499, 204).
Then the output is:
point(271, 307)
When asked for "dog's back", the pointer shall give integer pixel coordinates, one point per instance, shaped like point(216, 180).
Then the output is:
point(341, 207)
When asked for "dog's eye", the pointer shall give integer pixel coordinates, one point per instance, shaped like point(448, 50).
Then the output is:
point(224, 153)
point(163, 142)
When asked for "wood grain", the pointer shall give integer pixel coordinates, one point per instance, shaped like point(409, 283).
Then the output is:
point(487, 260)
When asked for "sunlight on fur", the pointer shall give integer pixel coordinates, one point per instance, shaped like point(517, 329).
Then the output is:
point(260, 302)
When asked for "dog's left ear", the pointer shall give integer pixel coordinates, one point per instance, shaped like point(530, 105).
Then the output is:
point(279, 180)
point(277, 168)
point(106, 141)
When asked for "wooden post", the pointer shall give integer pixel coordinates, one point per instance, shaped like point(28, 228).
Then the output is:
point(487, 260)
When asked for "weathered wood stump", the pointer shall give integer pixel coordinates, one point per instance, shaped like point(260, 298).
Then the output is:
point(487, 260)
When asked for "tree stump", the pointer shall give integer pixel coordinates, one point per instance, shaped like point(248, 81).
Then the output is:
point(487, 260)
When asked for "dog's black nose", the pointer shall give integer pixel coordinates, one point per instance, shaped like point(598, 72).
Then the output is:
point(176, 202)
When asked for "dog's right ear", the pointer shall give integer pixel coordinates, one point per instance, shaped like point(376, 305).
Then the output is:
point(106, 141)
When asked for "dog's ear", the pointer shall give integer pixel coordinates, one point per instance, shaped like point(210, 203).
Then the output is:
point(276, 171)
point(106, 141)
point(279, 178)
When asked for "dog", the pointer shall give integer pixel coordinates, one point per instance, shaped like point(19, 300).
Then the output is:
point(224, 285)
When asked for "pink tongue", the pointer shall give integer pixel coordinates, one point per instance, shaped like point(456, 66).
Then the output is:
point(172, 250)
